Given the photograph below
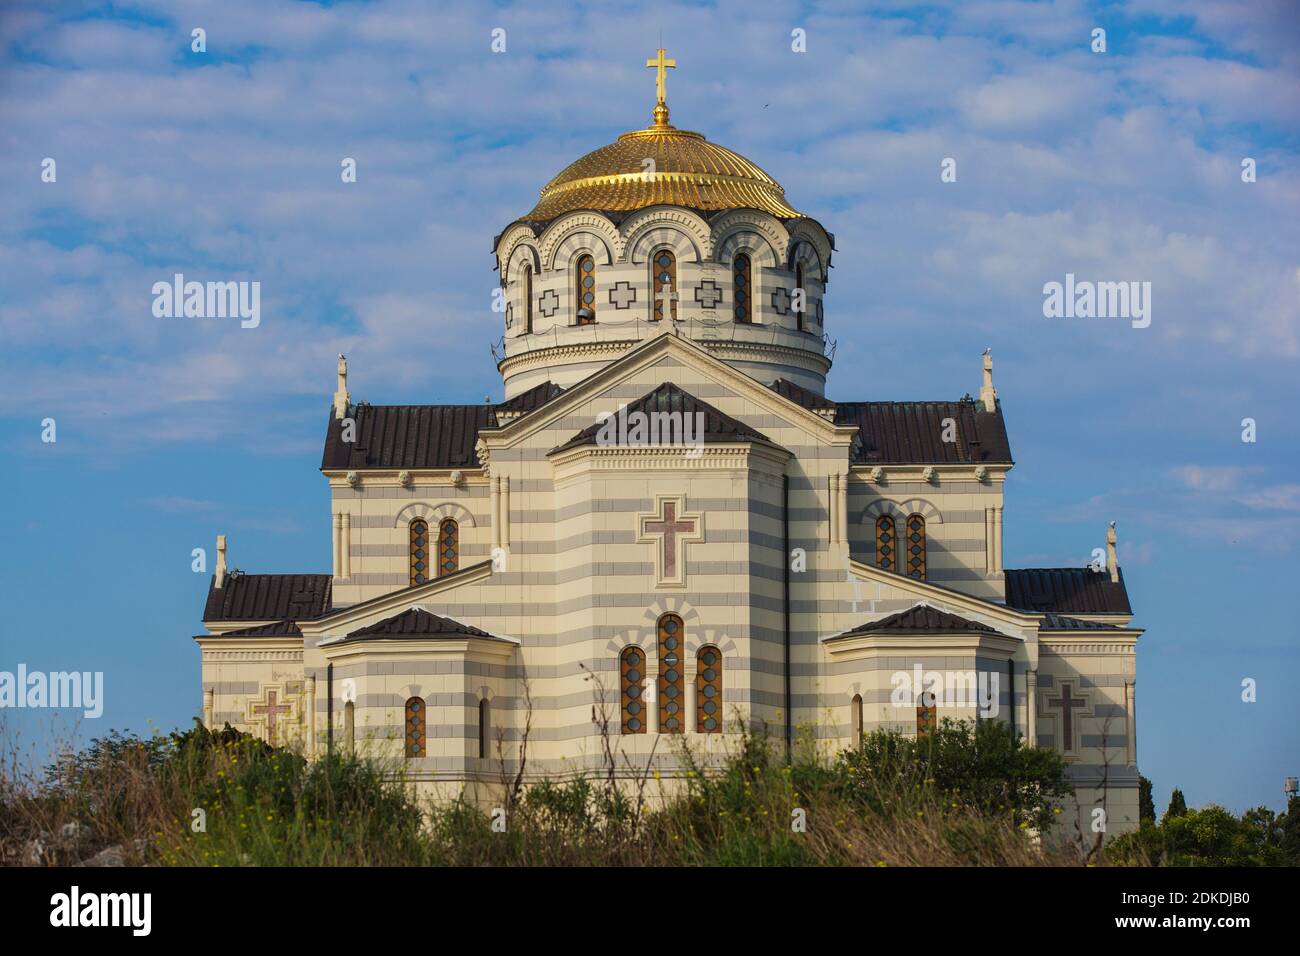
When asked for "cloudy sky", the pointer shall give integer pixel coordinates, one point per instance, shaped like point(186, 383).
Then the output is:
point(1116, 166)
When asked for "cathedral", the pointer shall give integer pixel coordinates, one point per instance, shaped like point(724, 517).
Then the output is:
point(666, 530)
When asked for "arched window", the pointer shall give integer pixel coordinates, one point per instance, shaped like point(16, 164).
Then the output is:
point(419, 551)
point(584, 279)
point(484, 727)
point(631, 674)
point(803, 296)
point(528, 298)
point(855, 719)
point(448, 546)
point(743, 290)
point(663, 278)
point(915, 547)
point(415, 727)
point(886, 543)
point(708, 690)
point(672, 675)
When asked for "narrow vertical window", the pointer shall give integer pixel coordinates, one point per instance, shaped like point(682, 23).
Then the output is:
point(802, 294)
point(886, 543)
point(742, 290)
point(448, 547)
point(663, 275)
point(708, 690)
point(855, 719)
point(631, 668)
point(585, 290)
point(349, 728)
point(419, 551)
point(672, 675)
point(484, 728)
point(528, 298)
point(915, 547)
point(927, 714)
point(415, 727)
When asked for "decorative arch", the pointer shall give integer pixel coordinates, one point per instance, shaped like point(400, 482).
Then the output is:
point(435, 513)
point(900, 510)
point(855, 719)
point(745, 230)
point(588, 230)
point(523, 253)
point(684, 232)
point(508, 246)
point(811, 233)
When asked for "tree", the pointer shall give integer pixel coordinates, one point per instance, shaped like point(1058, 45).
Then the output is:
point(1146, 801)
point(1177, 805)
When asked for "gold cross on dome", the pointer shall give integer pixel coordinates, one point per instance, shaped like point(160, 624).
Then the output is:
point(661, 65)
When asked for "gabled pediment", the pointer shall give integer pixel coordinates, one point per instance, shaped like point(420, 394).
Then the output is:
point(676, 359)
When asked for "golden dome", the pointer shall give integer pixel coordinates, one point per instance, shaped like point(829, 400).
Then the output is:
point(688, 171)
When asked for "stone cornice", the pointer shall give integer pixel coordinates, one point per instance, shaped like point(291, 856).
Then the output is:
point(216, 648)
point(970, 642)
point(574, 463)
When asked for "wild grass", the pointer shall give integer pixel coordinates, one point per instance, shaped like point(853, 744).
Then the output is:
point(205, 798)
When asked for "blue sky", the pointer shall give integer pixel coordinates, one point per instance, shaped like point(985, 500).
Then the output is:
point(1117, 166)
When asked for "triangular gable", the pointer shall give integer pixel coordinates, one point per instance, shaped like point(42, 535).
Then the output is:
point(667, 343)
point(946, 598)
point(348, 619)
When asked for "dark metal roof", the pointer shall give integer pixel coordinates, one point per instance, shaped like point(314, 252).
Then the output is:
point(1067, 590)
point(422, 436)
point(718, 426)
point(276, 629)
point(408, 436)
point(1059, 622)
point(911, 433)
point(268, 597)
point(921, 619)
point(417, 622)
point(802, 396)
point(535, 397)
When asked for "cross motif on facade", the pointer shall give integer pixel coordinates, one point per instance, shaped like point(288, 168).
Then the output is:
point(269, 710)
point(781, 301)
point(672, 528)
point(1067, 705)
point(548, 303)
point(708, 294)
point(622, 295)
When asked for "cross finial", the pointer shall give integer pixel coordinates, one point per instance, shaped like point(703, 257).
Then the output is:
point(661, 65)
